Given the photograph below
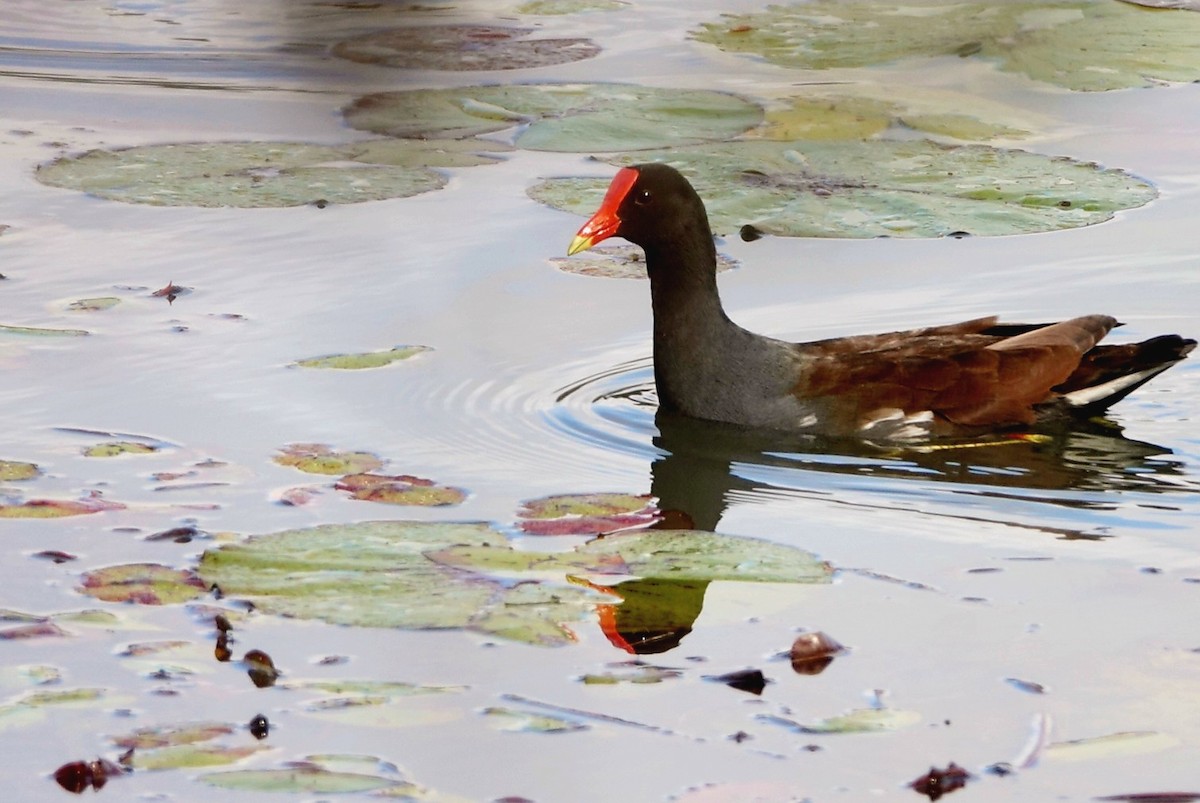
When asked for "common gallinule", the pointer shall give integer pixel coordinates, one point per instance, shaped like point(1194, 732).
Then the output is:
point(959, 379)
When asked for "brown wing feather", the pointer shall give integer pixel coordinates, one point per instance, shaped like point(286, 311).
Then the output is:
point(962, 373)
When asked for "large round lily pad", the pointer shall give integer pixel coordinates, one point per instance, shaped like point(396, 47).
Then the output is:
point(463, 47)
point(879, 188)
point(1077, 44)
point(560, 117)
point(263, 174)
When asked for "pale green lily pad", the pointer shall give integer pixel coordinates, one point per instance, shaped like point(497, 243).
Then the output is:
point(554, 7)
point(860, 720)
point(56, 508)
point(143, 584)
point(94, 304)
point(35, 331)
point(834, 117)
point(356, 362)
point(518, 721)
point(1077, 44)
point(1113, 745)
point(192, 756)
point(463, 47)
point(680, 555)
point(317, 458)
point(379, 711)
point(263, 174)
point(15, 470)
point(115, 448)
point(880, 188)
point(560, 117)
point(633, 672)
point(298, 779)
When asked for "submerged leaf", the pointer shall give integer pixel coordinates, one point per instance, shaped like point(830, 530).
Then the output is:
point(370, 359)
point(262, 174)
point(1078, 44)
point(879, 188)
point(462, 47)
point(560, 117)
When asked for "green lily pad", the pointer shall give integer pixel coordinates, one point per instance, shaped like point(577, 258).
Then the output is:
point(317, 458)
point(370, 359)
point(192, 756)
point(1109, 746)
point(680, 555)
point(15, 470)
point(34, 331)
point(586, 514)
point(263, 174)
point(298, 779)
point(842, 117)
point(880, 188)
point(462, 47)
point(93, 304)
point(402, 489)
point(143, 583)
point(1078, 44)
point(114, 448)
point(560, 117)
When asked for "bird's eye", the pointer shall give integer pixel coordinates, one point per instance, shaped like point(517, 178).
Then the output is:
point(642, 197)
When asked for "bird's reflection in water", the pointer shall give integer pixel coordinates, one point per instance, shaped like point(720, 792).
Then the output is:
point(704, 464)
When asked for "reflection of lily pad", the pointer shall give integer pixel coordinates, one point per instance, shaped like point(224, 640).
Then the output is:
point(560, 117)
point(880, 188)
point(370, 359)
point(142, 583)
point(262, 174)
point(317, 458)
point(403, 489)
point(586, 514)
point(616, 262)
point(463, 47)
point(1078, 44)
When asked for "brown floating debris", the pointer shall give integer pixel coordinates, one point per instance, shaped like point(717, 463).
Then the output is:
point(261, 668)
point(812, 652)
point(747, 680)
point(936, 783)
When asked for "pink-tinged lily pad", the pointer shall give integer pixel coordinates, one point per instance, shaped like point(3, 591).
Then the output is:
point(173, 735)
point(587, 514)
point(463, 47)
point(15, 470)
point(57, 508)
point(317, 458)
point(358, 362)
point(36, 630)
point(115, 448)
point(143, 584)
point(402, 489)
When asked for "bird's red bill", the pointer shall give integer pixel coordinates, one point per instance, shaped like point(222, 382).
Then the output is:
point(605, 222)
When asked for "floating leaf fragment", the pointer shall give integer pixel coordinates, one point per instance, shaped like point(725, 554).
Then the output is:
point(1083, 45)
point(93, 304)
point(512, 719)
point(402, 489)
point(560, 117)
point(357, 362)
point(15, 471)
point(263, 174)
point(173, 735)
point(115, 448)
point(317, 458)
point(462, 47)
point(33, 331)
point(554, 7)
point(1124, 743)
point(879, 188)
point(143, 584)
point(586, 514)
point(57, 508)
